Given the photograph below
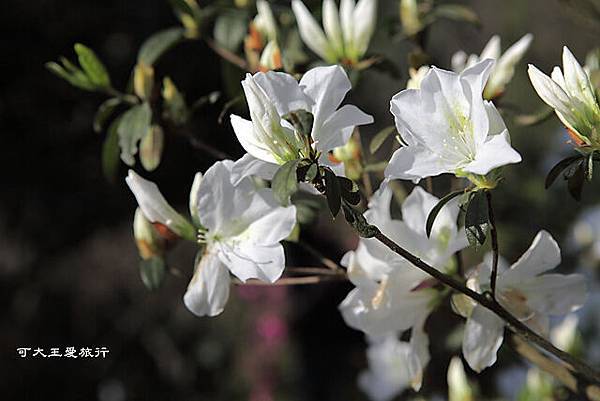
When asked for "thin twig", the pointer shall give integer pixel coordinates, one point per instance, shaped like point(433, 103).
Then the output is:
point(494, 234)
point(584, 372)
point(294, 280)
point(228, 55)
point(329, 263)
point(321, 271)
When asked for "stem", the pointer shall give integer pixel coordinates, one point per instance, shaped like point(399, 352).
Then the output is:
point(329, 263)
point(294, 280)
point(494, 234)
point(579, 368)
point(227, 55)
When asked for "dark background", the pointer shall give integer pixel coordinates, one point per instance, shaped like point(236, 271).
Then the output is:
point(68, 263)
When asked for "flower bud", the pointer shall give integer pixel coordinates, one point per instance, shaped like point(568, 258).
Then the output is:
point(270, 58)
point(151, 148)
point(409, 16)
point(148, 240)
point(143, 80)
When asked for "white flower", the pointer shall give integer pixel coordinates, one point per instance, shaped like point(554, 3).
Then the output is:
point(504, 69)
point(526, 293)
point(347, 32)
point(391, 294)
point(271, 95)
point(240, 227)
point(448, 127)
point(395, 365)
point(573, 98)
point(564, 335)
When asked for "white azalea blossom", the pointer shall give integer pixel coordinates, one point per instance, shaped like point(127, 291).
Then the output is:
point(449, 128)
point(271, 141)
point(391, 295)
point(264, 21)
point(572, 96)
point(503, 70)
point(525, 292)
point(239, 226)
point(395, 365)
point(347, 31)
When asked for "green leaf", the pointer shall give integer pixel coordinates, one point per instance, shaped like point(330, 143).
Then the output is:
point(75, 77)
point(559, 168)
point(151, 148)
point(230, 30)
point(359, 223)
point(134, 125)
point(333, 192)
point(576, 180)
point(349, 190)
point(380, 138)
point(456, 12)
point(477, 219)
point(104, 112)
point(110, 151)
point(152, 272)
point(302, 121)
point(285, 182)
point(436, 210)
point(157, 44)
point(92, 66)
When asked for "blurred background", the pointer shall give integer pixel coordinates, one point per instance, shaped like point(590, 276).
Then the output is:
point(69, 266)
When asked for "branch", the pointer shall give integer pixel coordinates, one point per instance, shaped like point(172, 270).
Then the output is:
point(582, 371)
point(329, 263)
point(560, 372)
point(228, 55)
point(494, 233)
point(294, 280)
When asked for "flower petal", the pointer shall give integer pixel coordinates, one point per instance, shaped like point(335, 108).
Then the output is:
point(543, 254)
point(244, 131)
point(414, 163)
point(483, 337)
point(208, 290)
point(333, 29)
point(311, 33)
point(247, 261)
point(555, 294)
point(156, 208)
point(249, 165)
point(365, 17)
point(338, 128)
point(495, 152)
point(550, 92)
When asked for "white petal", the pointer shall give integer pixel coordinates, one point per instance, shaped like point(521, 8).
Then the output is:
point(576, 80)
point(274, 223)
point(416, 208)
point(483, 337)
point(459, 61)
point(208, 290)
point(244, 131)
point(414, 163)
point(347, 21)
point(283, 91)
point(338, 128)
point(558, 77)
point(543, 254)
point(247, 261)
point(365, 18)
point(491, 49)
point(311, 33)
point(331, 24)
point(505, 68)
point(156, 208)
point(193, 204)
point(266, 18)
point(495, 152)
point(326, 87)
point(249, 165)
point(555, 294)
point(379, 206)
point(392, 364)
point(550, 92)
